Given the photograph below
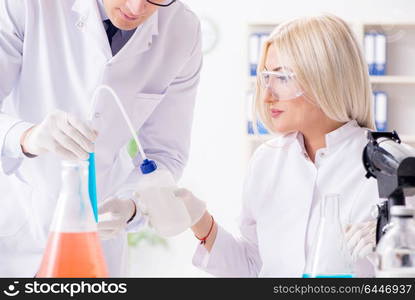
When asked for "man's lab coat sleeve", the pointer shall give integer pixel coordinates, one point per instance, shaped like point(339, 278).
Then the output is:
point(11, 50)
point(165, 136)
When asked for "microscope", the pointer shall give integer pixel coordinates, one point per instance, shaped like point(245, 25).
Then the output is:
point(392, 164)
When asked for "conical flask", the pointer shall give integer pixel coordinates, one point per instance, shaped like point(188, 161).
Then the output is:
point(329, 256)
point(73, 248)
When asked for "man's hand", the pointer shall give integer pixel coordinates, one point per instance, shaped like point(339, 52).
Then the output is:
point(62, 134)
point(114, 214)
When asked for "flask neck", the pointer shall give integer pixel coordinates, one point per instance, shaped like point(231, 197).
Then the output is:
point(330, 207)
point(74, 179)
point(73, 211)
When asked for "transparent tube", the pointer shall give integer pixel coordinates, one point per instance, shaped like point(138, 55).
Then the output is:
point(124, 113)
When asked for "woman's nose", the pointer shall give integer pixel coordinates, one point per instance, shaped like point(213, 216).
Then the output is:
point(268, 97)
point(136, 7)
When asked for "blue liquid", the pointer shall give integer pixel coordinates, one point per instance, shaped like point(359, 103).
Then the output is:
point(92, 185)
point(328, 276)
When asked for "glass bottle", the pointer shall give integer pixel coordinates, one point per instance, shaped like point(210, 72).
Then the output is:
point(329, 256)
point(395, 253)
point(73, 248)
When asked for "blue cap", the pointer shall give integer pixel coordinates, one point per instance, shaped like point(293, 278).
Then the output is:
point(148, 166)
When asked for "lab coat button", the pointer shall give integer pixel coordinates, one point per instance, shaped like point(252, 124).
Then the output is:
point(80, 24)
point(97, 115)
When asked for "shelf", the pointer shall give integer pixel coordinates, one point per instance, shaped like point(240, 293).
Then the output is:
point(408, 139)
point(406, 80)
point(392, 79)
point(389, 25)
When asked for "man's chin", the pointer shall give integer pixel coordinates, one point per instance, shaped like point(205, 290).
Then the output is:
point(122, 25)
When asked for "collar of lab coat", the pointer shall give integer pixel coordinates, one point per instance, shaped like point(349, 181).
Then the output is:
point(104, 16)
point(90, 22)
point(333, 139)
point(336, 137)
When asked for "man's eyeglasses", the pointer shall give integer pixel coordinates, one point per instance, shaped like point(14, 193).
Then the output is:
point(162, 3)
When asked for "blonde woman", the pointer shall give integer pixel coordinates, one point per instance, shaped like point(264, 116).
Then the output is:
point(313, 89)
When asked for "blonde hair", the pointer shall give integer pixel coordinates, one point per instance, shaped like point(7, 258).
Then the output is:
point(329, 65)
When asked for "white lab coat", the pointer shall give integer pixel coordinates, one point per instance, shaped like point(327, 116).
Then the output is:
point(53, 54)
point(281, 205)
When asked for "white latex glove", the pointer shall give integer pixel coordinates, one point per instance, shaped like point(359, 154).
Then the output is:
point(62, 134)
point(113, 216)
point(195, 207)
point(361, 240)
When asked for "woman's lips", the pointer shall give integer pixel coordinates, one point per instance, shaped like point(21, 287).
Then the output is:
point(275, 113)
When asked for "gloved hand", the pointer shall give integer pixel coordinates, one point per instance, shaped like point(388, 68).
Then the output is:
point(62, 134)
point(361, 240)
point(114, 214)
point(195, 207)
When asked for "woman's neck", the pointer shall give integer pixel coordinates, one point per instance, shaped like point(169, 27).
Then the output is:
point(315, 137)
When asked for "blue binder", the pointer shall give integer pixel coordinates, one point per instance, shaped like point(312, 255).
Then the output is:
point(370, 52)
point(381, 110)
point(254, 43)
point(380, 54)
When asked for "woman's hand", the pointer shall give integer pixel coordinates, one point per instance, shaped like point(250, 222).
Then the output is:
point(160, 216)
point(196, 208)
point(203, 224)
point(361, 240)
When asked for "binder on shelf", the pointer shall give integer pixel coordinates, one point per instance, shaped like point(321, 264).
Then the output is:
point(381, 110)
point(380, 54)
point(254, 43)
point(369, 45)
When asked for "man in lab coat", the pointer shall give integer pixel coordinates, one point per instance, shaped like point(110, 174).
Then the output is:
point(53, 55)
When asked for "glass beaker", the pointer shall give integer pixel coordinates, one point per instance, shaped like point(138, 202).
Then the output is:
point(73, 248)
point(329, 256)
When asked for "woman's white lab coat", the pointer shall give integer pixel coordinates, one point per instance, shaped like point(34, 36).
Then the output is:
point(281, 205)
point(53, 54)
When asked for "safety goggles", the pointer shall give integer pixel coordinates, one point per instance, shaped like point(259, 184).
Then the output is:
point(162, 3)
point(281, 84)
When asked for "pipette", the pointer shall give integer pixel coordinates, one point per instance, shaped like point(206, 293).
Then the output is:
point(148, 166)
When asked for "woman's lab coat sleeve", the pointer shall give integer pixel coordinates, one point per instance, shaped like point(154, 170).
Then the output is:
point(165, 136)
point(11, 51)
point(232, 256)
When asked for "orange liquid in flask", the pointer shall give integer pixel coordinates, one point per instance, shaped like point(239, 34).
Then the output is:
point(73, 255)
